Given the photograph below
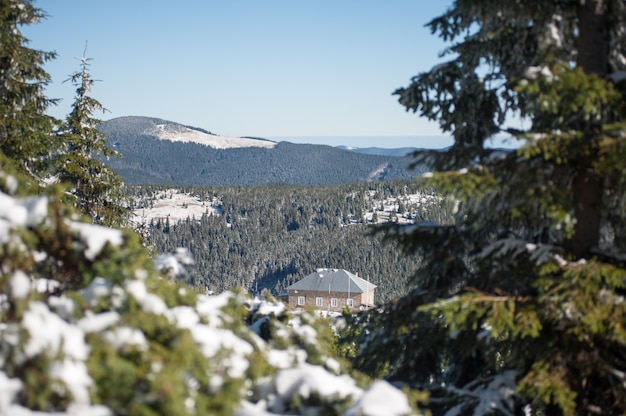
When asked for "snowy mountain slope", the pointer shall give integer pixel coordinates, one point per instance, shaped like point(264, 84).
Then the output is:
point(178, 133)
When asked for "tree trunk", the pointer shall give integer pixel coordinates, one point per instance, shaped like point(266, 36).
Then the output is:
point(593, 38)
point(586, 187)
point(587, 192)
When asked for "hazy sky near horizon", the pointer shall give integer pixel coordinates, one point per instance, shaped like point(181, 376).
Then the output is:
point(273, 69)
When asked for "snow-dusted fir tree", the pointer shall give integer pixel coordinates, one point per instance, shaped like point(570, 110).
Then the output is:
point(25, 130)
point(520, 303)
point(95, 186)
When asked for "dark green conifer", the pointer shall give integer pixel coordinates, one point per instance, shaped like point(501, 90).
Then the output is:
point(520, 299)
point(25, 129)
point(95, 186)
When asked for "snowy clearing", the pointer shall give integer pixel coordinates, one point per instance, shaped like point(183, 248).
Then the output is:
point(175, 205)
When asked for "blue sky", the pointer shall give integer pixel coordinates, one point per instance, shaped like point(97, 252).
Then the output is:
point(273, 69)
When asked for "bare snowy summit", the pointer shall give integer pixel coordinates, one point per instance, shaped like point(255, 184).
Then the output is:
point(179, 133)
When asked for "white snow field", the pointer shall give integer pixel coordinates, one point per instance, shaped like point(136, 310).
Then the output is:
point(177, 133)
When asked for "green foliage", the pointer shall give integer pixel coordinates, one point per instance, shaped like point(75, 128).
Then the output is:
point(25, 129)
point(568, 99)
point(97, 189)
point(522, 293)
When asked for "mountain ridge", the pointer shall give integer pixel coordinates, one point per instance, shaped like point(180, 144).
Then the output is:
point(157, 151)
point(381, 151)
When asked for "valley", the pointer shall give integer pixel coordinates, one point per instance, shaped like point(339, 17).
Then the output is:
point(259, 214)
point(267, 237)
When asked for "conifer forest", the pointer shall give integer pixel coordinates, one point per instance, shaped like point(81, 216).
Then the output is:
point(500, 275)
point(268, 237)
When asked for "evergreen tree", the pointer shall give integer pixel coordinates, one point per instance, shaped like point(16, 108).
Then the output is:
point(25, 130)
point(520, 302)
point(95, 186)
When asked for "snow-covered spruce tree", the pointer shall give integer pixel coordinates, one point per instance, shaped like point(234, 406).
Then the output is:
point(89, 328)
point(25, 129)
point(520, 302)
point(96, 187)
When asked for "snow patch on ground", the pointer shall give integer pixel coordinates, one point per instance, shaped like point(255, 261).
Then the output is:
point(175, 205)
point(177, 133)
point(387, 209)
point(378, 173)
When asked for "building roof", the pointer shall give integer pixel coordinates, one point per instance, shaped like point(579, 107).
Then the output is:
point(333, 280)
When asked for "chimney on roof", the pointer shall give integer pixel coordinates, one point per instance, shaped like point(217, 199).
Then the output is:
point(356, 274)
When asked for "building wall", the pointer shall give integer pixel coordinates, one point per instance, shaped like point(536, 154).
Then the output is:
point(367, 298)
point(310, 297)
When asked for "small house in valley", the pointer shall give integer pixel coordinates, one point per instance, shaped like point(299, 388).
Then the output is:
point(332, 290)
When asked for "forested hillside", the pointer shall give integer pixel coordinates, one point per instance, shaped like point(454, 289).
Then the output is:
point(266, 237)
point(150, 160)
